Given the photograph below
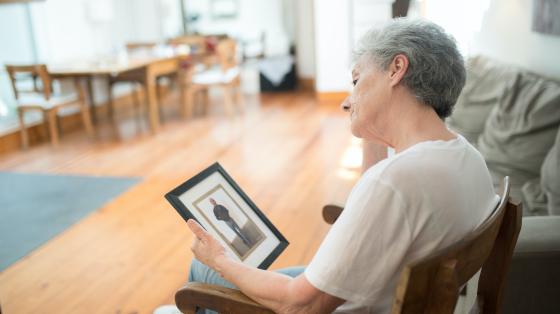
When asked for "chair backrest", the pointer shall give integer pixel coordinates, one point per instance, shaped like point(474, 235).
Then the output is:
point(33, 71)
point(140, 45)
point(196, 42)
point(132, 46)
point(226, 49)
point(432, 284)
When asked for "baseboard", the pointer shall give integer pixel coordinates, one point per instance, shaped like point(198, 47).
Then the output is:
point(306, 84)
point(331, 96)
point(11, 141)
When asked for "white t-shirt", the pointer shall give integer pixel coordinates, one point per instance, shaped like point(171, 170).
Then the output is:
point(405, 207)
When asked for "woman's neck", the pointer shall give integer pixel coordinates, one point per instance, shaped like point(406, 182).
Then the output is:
point(418, 124)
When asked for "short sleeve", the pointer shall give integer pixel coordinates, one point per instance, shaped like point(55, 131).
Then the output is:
point(364, 250)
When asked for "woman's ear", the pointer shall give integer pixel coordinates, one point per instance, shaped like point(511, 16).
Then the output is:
point(398, 68)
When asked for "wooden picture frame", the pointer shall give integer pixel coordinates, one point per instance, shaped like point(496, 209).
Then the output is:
point(218, 204)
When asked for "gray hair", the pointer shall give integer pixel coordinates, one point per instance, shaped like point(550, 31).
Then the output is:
point(436, 70)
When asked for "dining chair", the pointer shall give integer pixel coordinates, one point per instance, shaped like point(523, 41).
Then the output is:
point(225, 76)
point(429, 285)
point(41, 97)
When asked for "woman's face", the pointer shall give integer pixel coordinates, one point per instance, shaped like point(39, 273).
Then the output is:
point(369, 102)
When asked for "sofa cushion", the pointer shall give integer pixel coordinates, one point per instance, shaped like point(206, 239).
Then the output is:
point(550, 177)
point(521, 128)
point(485, 84)
point(533, 280)
point(534, 198)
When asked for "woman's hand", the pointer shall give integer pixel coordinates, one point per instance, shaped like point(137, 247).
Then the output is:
point(205, 247)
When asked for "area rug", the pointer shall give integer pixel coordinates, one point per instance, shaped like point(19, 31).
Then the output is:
point(34, 208)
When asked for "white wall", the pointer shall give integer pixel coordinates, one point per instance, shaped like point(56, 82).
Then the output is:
point(337, 23)
point(332, 45)
point(17, 47)
point(305, 39)
point(82, 29)
point(365, 14)
point(14, 34)
point(289, 17)
point(253, 18)
point(506, 35)
point(68, 30)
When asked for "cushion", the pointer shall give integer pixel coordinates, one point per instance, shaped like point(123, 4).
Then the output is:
point(522, 127)
point(534, 198)
point(485, 84)
point(37, 99)
point(215, 76)
point(550, 177)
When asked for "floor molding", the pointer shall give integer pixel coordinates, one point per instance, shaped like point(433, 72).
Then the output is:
point(331, 96)
point(306, 84)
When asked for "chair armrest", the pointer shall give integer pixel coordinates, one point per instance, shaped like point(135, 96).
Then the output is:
point(331, 213)
point(217, 298)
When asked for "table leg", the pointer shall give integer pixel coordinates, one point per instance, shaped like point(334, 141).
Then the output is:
point(151, 95)
point(91, 101)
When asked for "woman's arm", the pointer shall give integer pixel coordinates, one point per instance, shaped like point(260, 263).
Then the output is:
point(280, 293)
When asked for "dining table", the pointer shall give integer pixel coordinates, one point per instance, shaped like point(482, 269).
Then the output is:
point(144, 68)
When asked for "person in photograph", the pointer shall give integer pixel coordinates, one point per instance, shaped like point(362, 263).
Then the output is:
point(222, 213)
point(431, 193)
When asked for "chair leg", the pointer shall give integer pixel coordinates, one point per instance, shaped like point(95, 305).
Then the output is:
point(136, 102)
point(228, 101)
point(182, 98)
point(86, 119)
point(205, 100)
point(23, 129)
point(110, 109)
point(159, 93)
point(239, 95)
point(188, 104)
point(53, 130)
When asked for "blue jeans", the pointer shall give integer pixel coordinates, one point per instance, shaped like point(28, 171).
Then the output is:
point(202, 273)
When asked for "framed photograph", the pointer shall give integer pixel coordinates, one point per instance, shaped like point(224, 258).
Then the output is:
point(214, 200)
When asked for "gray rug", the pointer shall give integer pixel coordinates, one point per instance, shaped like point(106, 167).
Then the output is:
point(35, 207)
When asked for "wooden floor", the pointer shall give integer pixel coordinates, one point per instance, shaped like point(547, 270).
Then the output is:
point(290, 154)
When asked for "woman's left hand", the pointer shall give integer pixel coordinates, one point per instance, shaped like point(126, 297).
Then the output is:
point(205, 247)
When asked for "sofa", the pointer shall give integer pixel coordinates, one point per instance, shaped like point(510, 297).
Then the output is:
point(513, 116)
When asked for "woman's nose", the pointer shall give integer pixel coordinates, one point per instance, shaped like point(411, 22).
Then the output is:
point(345, 105)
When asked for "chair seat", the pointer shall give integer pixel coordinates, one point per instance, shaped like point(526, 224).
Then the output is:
point(215, 76)
point(38, 100)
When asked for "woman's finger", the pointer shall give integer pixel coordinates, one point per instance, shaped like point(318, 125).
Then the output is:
point(197, 229)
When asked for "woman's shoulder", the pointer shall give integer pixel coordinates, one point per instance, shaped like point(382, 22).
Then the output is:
point(426, 162)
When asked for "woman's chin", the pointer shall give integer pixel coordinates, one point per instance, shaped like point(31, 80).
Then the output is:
point(355, 131)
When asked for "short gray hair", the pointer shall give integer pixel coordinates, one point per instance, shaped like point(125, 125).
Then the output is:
point(436, 70)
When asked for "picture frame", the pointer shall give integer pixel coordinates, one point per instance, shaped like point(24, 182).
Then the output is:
point(218, 204)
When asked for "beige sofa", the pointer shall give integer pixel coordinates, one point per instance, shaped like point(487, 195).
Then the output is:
point(513, 116)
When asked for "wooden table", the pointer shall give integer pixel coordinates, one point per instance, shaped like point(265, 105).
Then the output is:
point(145, 69)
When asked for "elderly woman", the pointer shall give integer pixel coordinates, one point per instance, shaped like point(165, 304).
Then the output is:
point(432, 192)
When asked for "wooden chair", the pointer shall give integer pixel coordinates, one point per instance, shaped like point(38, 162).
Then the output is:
point(429, 285)
point(136, 79)
point(226, 76)
point(41, 98)
point(132, 46)
point(197, 43)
